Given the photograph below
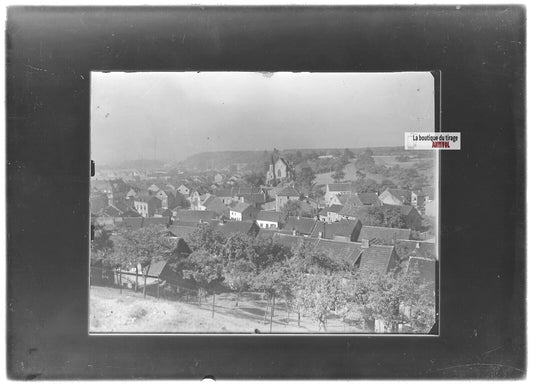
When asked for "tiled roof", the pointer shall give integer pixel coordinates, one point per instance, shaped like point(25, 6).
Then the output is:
point(353, 211)
point(194, 216)
point(404, 209)
point(269, 216)
point(335, 208)
point(214, 204)
point(375, 258)
point(240, 207)
point(289, 191)
point(246, 190)
point(340, 187)
point(156, 268)
point(112, 211)
point(253, 198)
point(399, 193)
point(344, 228)
point(383, 235)
point(236, 227)
point(181, 231)
point(224, 192)
point(300, 224)
point(407, 248)
point(369, 198)
point(267, 233)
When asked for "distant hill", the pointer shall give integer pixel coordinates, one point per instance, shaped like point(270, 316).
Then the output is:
point(256, 159)
point(138, 164)
point(221, 160)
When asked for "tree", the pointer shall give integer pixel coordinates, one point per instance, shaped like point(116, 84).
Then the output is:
point(205, 237)
point(206, 269)
point(386, 183)
point(102, 239)
point(306, 260)
point(365, 160)
point(394, 298)
point(255, 179)
point(338, 175)
point(143, 247)
point(348, 154)
point(321, 294)
point(291, 208)
point(393, 217)
point(238, 254)
point(266, 252)
point(238, 276)
point(306, 177)
point(181, 201)
point(367, 185)
point(275, 281)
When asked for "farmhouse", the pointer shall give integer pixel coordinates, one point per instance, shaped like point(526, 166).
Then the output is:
point(383, 235)
point(269, 219)
point(236, 227)
point(146, 205)
point(334, 189)
point(358, 256)
point(396, 197)
point(284, 196)
point(242, 211)
point(346, 230)
point(299, 225)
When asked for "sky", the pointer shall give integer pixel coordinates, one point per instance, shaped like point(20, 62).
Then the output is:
point(170, 116)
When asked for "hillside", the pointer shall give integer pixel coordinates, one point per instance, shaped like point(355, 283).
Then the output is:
point(111, 311)
point(220, 160)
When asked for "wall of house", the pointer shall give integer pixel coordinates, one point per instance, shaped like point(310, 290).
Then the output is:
point(267, 224)
point(141, 208)
point(387, 198)
point(235, 215)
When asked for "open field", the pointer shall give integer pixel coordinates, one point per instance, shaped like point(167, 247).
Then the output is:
point(112, 312)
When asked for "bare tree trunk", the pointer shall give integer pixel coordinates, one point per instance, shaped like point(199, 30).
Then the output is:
point(120, 280)
point(272, 311)
point(266, 311)
point(136, 278)
point(288, 312)
point(213, 310)
point(145, 274)
point(298, 319)
point(158, 287)
point(237, 300)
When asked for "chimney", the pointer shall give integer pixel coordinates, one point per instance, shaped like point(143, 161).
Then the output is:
point(293, 232)
point(365, 244)
point(320, 235)
point(417, 245)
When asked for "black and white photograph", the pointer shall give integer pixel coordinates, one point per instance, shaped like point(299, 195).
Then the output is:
point(266, 192)
point(248, 202)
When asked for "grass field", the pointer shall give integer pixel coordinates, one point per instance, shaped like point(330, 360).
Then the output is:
point(112, 312)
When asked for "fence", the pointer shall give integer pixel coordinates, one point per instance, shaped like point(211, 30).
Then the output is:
point(155, 286)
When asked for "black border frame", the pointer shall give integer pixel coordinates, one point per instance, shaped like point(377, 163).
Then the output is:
point(480, 51)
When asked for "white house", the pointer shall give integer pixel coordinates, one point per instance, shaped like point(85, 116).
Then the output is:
point(269, 219)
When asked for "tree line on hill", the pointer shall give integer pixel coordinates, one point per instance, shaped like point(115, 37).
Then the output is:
point(308, 282)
